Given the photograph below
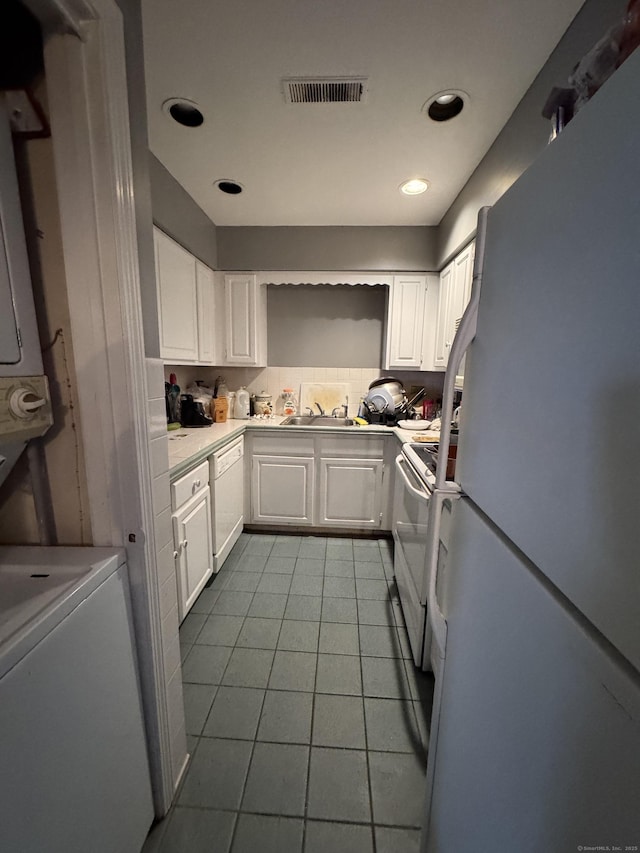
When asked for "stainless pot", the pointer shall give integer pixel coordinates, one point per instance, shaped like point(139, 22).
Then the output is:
point(386, 395)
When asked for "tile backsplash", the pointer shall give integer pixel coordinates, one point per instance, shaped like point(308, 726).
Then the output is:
point(274, 379)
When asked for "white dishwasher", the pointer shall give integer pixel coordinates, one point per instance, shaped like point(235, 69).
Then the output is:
point(226, 470)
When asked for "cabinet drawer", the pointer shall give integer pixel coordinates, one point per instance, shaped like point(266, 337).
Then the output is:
point(351, 446)
point(186, 487)
point(283, 444)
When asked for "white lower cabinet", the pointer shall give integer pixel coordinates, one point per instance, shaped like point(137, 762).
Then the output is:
point(192, 542)
point(351, 492)
point(282, 489)
point(322, 480)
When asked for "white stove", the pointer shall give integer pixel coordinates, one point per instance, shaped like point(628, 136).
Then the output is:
point(417, 513)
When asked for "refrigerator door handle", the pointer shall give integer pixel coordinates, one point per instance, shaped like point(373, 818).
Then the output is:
point(435, 614)
point(400, 462)
point(465, 334)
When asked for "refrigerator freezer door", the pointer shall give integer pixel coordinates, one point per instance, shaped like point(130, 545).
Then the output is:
point(539, 722)
point(552, 390)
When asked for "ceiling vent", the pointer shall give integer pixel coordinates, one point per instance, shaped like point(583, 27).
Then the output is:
point(325, 90)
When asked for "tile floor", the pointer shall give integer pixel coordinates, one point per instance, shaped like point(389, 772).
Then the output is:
point(307, 720)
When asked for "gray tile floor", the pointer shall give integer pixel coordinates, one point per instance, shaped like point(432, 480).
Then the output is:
point(307, 720)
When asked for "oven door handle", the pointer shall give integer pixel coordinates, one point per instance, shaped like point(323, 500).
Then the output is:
point(400, 462)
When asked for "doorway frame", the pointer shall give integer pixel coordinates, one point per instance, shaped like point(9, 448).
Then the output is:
point(86, 76)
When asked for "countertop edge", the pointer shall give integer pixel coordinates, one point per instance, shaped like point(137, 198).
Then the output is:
point(184, 465)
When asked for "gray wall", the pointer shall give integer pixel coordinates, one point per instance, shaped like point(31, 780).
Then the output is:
point(177, 214)
point(132, 15)
point(526, 133)
point(325, 325)
point(327, 248)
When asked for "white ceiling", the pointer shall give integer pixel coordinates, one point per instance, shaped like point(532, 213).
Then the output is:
point(337, 164)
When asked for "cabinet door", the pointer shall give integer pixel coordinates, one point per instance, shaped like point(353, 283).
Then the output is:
point(406, 317)
point(246, 317)
point(465, 271)
point(443, 343)
point(192, 540)
point(177, 300)
point(206, 297)
point(282, 490)
point(432, 294)
point(455, 292)
point(464, 277)
point(351, 492)
point(461, 291)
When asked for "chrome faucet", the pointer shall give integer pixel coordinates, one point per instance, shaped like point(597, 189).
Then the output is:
point(341, 411)
point(310, 410)
point(320, 409)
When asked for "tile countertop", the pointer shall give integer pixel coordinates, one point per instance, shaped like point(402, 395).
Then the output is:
point(188, 447)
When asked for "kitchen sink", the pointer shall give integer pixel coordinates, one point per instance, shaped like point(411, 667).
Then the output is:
point(316, 420)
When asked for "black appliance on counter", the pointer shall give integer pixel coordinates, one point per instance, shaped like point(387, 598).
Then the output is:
point(192, 413)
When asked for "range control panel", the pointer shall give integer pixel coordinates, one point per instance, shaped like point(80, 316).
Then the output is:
point(25, 407)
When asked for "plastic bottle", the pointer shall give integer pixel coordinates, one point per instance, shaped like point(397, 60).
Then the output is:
point(242, 404)
point(290, 404)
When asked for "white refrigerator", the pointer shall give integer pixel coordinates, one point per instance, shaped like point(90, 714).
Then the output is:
point(535, 746)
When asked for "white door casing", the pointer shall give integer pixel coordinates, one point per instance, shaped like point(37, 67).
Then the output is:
point(87, 88)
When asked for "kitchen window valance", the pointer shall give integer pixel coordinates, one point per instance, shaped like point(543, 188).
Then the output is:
point(356, 278)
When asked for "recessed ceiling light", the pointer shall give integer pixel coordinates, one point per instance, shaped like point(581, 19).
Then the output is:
point(225, 185)
point(445, 105)
point(415, 186)
point(185, 112)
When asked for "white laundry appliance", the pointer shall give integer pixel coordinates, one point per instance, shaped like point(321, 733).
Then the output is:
point(25, 407)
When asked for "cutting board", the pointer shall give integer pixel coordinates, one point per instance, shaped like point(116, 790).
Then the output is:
point(328, 394)
point(426, 437)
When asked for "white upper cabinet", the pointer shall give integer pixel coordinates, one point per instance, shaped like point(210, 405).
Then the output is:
point(177, 300)
point(186, 303)
point(206, 309)
point(446, 283)
point(246, 320)
point(405, 323)
point(455, 292)
point(411, 322)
